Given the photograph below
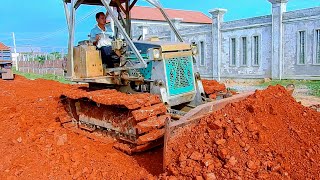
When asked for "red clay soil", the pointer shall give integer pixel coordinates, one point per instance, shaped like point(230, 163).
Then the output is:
point(213, 86)
point(35, 146)
point(114, 97)
point(266, 136)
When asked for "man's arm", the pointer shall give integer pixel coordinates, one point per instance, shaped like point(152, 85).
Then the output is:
point(94, 38)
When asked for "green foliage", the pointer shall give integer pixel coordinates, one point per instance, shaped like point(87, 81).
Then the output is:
point(57, 55)
point(314, 86)
point(41, 59)
point(45, 76)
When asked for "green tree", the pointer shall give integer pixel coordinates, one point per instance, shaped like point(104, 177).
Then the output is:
point(57, 55)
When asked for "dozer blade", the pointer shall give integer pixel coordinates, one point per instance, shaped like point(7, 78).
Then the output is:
point(194, 116)
point(137, 121)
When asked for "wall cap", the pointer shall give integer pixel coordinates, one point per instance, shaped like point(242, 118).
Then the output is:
point(218, 11)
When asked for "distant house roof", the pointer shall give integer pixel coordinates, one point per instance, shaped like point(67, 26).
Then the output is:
point(3, 47)
point(153, 14)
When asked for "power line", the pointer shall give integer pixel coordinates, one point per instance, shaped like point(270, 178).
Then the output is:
point(61, 29)
point(6, 39)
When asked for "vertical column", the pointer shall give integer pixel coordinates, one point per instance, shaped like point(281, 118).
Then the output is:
point(278, 8)
point(176, 22)
point(70, 71)
point(217, 20)
point(144, 29)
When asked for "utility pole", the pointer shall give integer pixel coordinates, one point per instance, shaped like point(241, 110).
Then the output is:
point(15, 51)
point(14, 43)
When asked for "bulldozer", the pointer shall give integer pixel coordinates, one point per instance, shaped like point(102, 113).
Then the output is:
point(158, 75)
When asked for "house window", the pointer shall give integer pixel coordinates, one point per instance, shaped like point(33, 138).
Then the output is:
point(233, 52)
point(244, 51)
point(317, 60)
point(202, 54)
point(256, 50)
point(302, 47)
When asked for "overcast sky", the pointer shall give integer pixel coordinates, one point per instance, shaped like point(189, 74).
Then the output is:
point(44, 24)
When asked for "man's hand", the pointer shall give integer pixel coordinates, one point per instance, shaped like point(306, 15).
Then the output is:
point(97, 38)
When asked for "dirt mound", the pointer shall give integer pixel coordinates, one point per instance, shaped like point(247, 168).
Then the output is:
point(214, 89)
point(114, 97)
point(213, 86)
point(268, 135)
point(35, 146)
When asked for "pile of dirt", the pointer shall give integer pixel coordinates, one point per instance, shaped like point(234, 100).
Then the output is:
point(113, 97)
point(267, 136)
point(213, 89)
point(35, 146)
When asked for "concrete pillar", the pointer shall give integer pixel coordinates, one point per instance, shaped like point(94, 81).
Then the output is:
point(217, 20)
point(144, 29)
point(278, 8)
point(176, 22)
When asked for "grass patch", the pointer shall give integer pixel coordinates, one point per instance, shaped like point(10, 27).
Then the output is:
point(314, 86)
point(45, 76)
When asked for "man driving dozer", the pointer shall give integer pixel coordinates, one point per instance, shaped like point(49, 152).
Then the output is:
point(101, 36)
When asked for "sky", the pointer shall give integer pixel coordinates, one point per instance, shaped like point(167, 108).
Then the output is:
point(37, 24)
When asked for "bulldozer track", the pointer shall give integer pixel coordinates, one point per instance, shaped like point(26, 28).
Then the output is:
point(137, 127)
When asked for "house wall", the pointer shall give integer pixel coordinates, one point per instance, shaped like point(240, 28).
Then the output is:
point(259, 26)
point(278, 43)
point(5, 55)
point(279, 39)
point(157, 28)
point(307, 20)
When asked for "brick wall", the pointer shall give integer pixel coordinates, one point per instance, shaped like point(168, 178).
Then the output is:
point(47, 67)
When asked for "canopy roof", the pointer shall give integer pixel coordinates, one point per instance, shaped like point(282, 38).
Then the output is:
point(3, 47)
point(97, 2)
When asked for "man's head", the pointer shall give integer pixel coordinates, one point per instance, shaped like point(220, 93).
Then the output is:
point(101, 18)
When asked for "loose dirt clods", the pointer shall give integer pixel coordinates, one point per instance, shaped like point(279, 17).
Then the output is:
point(216, 90)
point(35, 146)
point(267, 136)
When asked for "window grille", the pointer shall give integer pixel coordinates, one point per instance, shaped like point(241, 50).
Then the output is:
point(256, 50)
point(302, 47)
point(244, 51)
point(233, 51)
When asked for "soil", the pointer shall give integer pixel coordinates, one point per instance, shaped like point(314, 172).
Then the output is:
point(216, 90)
point(269, 135)
point(35, 146)
point(266, 136)
point(213, 86)
point(113, 97)
point(301, 93)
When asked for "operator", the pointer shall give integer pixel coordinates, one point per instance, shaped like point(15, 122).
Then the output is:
point(101, 36)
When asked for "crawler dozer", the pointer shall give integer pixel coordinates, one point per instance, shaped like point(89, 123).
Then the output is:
point(153, 82)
